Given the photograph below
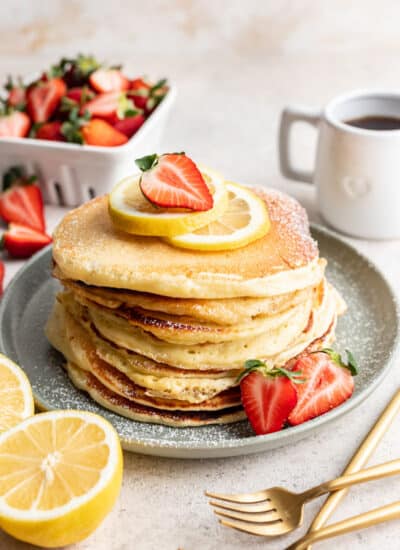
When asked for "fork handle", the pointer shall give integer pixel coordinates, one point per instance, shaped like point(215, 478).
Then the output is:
point(375, 472)
point(378, 515)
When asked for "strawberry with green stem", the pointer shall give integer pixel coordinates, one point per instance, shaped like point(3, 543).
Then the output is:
point(268, 395)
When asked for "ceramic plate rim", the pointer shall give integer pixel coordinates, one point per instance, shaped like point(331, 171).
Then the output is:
point(252, 443)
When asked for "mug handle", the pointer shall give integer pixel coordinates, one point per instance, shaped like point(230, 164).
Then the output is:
point(289, 116)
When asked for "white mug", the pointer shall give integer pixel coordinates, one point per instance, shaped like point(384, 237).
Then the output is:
point(357, 170)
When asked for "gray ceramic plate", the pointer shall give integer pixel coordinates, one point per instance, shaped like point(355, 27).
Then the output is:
point(370, 329)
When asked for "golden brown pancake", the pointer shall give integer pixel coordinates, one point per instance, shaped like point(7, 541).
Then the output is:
point(224, 312)
point(118, 404)
point(88, 248)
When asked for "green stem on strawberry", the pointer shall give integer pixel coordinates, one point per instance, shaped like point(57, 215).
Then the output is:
point(252, 365)
point(349, 364)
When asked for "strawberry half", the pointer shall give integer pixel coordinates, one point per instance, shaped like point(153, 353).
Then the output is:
point(44, 97)
point(268, 396)
point(108, 80)
point(21, 241)
point(328, 383)
point(23, 205)
point(50, 131)
point(99, 132)
point(129, 125)
point(103, 106)
point(16, 124)
point(16, 97)
point(174, 181)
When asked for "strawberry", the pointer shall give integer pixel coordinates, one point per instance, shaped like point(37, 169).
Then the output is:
point(50, 131)
point(23, 205)
point(80, 95)
point(17, 97)
point(16, 124)
point(99, 132)
point(2, 273)
point(268, 396)
point(44, 97)
point(328, 383)
point(129, 125)
point(173, 180)
point(103, 106)
point(108, 80)
point(139, 84)
point(21, 241)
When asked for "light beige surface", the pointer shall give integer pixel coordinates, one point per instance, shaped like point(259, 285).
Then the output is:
point(241, 66)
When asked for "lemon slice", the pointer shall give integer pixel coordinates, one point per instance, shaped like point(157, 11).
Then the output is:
point(60, 474)
point(131, 212)
point(244, 220)
point(16, 401)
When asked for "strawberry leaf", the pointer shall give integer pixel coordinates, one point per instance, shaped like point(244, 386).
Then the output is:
point(351, 363)
point(252, 365)
point(146, 163)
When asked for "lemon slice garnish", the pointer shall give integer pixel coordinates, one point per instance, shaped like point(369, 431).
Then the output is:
point(131, 212)
point(244, 220)
point(16, 401)
point(60, 474)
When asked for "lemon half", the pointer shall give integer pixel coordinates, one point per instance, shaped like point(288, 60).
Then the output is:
point(244, 220)
point(131, 212)
point(60, 474)
point(16, 400)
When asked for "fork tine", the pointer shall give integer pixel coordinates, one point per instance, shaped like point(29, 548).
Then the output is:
point(259, 517)
point(264, 506)
point(271, 530)
point(243, 497)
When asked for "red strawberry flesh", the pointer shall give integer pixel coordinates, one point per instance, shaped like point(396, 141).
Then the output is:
point(176, 182)
point(16, 124)
point(327, 386)
point(23, 205)
point(21, 241)
point(267, 401)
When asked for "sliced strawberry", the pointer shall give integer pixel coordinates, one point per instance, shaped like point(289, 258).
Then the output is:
point(108, 80)
point(16, 96)
point(99, 132)
point(2, 273)
point(129, 125)
point(21, 241)
point(80, 95)
point(44, 97)
point(50, 131)
point(103, 106)
point(327, 385)
point(267, 400)
point(16, 124)
point(173, 180)
point(23, 205)
point(139, 84)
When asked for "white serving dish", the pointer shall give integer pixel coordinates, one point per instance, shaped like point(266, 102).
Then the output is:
point(71, 174)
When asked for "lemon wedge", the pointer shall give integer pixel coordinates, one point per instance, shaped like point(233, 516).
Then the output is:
point(16, 400)
point(60, 474)
point(131, 212)
point(244, 220)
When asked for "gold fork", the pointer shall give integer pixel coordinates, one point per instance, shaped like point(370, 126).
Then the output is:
point(277, 511)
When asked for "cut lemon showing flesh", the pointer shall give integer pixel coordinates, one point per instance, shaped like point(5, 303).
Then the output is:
point(131, 212)
point(60, 475)
point(244, 220)
point(16, 401)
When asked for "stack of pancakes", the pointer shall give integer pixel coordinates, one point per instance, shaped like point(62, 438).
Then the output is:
point(161, 334)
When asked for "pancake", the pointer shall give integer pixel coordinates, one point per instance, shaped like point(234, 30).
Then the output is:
point(85, 381)
point(76, 344)
point(88, 248)
point(224, 312)
point(185, 331)
point(296, 334)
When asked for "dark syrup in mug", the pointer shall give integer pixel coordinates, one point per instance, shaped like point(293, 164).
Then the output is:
point(375, 122)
